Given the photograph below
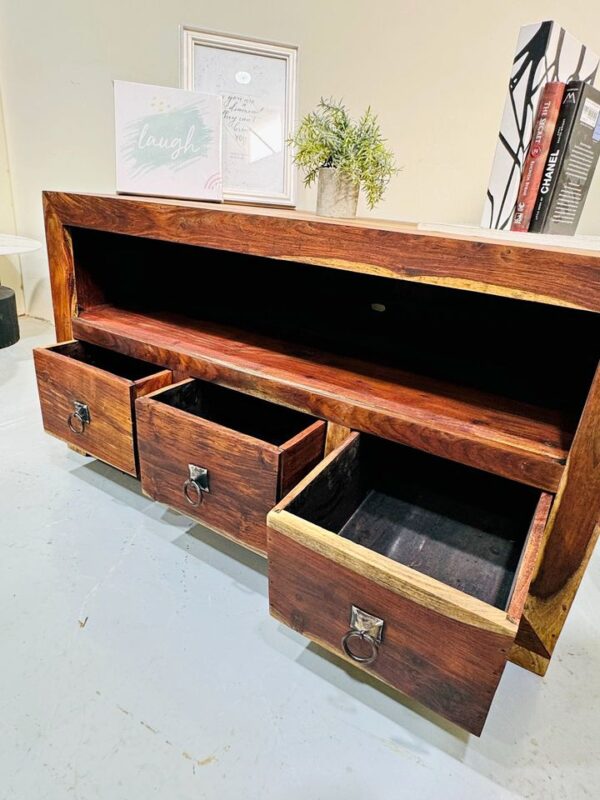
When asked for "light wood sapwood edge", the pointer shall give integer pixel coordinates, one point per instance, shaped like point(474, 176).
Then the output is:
point(402, 580)
point(449, 282)
point(528, 561)
point(530, 661)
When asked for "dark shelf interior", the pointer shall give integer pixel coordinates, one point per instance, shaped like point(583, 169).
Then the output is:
point(252, 416)
point(461, 526)
point(500, 373)
point(523, 351)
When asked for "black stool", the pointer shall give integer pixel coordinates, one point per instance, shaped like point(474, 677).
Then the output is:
point(9, 323)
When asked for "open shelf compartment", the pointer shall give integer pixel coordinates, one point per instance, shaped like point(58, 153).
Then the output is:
point(448, 372)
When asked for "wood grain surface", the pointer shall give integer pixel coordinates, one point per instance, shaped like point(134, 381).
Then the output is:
point(512, 439)
point(336, 434)
point(337, 474)
point(300, 454)
point(531, 552)
point(536, 448)
point(62, 276)
point(531, 272)
point(318, 529)
point(572, 531)
point(245, 473)
point(110, 433)
point(451, 666)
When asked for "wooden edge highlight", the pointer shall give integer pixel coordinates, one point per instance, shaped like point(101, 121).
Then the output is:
point(336, 435)
point(535, 451)
point(45, 352)
point(529, 557)
point(389, 574)
point(161, 389)
point(69, 210)
point(179, 414)
point(449, 282)
point(299, 437)
point(309, 478)
point(159, 375)
point(530, 661)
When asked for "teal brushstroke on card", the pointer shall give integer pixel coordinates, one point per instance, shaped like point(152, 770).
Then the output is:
point(172, 139)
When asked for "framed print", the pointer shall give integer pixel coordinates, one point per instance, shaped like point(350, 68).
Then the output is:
point(168, 142)
point(257, 83)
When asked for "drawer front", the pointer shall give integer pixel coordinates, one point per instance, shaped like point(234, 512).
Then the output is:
point(91, 408)
point(242, 473)
point(429, 639)
point(449, 661)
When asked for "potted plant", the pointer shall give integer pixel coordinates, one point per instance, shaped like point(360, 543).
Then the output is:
point(346, 156)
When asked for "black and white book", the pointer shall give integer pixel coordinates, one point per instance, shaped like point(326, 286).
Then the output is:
point(571, 162)
point(544, 52)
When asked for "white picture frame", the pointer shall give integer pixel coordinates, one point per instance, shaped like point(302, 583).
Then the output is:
point(257, 82)
point(167, 142)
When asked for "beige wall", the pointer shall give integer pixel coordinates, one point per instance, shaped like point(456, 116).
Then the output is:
point(435, 71)
point(10, 268)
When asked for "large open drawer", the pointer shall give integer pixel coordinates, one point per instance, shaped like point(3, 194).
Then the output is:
point(414, 567)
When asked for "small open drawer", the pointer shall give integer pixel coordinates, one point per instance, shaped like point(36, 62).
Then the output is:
point(414, 567)
point(87, 395)
point(223, 457)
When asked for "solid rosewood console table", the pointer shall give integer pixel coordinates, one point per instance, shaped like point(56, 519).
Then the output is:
point(417, 414)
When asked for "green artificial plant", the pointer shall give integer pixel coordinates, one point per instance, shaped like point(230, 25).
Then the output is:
point(328, 137)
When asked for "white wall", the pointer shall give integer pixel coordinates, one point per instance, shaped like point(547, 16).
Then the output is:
point(435, 71)
point(10, 268)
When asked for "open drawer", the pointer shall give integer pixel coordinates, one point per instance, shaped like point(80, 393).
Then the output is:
point(414, 567)
point(223, 457)
point(87, 395)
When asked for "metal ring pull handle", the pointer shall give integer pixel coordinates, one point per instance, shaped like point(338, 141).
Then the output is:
point(78, 418)
point(364, 637)
point(366, 628)
point(196, 485)
point(192, 492)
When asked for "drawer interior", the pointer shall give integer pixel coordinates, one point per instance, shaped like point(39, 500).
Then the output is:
point(458, 525)
point(249, 415)
point(117, 364)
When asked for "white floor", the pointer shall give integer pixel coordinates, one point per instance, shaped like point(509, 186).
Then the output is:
point(138, 660)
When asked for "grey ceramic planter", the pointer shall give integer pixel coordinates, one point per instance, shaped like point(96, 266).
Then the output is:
point(337, 196)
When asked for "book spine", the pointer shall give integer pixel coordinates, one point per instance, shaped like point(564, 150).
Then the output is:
point(544, 51)
point(581, 157)
point(564, 125)
point(533, 168)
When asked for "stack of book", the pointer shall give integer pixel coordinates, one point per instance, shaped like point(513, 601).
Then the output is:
point(548, 142)
point(562, 157)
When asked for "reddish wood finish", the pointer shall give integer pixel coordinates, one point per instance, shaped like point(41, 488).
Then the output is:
point(529, 559)
point(512, 439)
point(547, 274)
point(244, 473)
point(550, 275)
point(110, 434)
point(441, 645)
point(62, 278)
point(300, 455)
point(450, 666)
point(571, 533)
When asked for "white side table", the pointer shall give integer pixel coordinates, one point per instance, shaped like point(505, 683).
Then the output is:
point(9, 322)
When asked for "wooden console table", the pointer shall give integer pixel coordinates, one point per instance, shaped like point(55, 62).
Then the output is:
point(421, 411)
